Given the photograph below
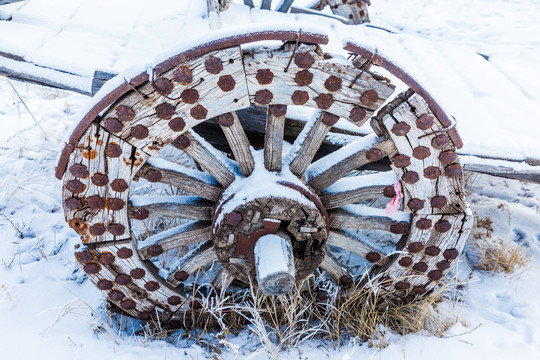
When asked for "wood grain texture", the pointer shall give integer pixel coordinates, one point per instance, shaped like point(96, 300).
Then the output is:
point(339, 239)
point(335, 269)
point(350, 196)
point(193, 261)
point(196, 210)
point(353, 10)
point(344, 219)
point(273, 141)
point(240, 146)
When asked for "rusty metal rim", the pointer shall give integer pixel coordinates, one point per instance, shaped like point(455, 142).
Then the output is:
point(413, 84)
point(230, 41)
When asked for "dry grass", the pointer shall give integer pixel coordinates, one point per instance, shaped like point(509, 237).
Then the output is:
point(499, 256)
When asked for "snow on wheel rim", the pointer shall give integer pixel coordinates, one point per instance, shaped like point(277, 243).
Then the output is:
point(119, 142)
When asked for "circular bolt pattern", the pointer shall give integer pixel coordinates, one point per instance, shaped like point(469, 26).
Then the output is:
point(183, 75)
point(97, 229)
point(440, 142)
point(155, 250)
point(432, 172)
point(128, 304)
point(357, 114)
point(165, 111)
point(124, 253)
point(115, 204)
point(401, 128)
point(420, 266)
point(151, 286)
point(117, 229)
point(425, 121)
point(303, 78)
point(122, 279)
point(104, 284)
point(453, 170)
point(369, 98)
point(174, 300)
point(324, 101)
point(119, 185)
point(402, 161)
point(435, 275)
point(442, 226)
point(447, 157)
point(75, 186)
point(199, 112)
point(405, 261)
point(278, 110)
point(137, 273)
point(79, 170)
point(106, 258)
point(402, 285)
point(333, 83)
point(181, 276)
point(415, 247)
point(423, 224)
point(450, 254)
point(264, 76)
point(100, 179)
point(226, 83)
point(410, 177)
point(153, 175)
point(190, 96)
point(95, 202)
point(389, 191)
point(177, 124)
point(329, 119)
point(421, 152)
point(213, 65)
point(73, 203)
point(415, 204)
point(399, 228)
point(432, 251)
point(234, 218)
point(443, 265)
point(139, 132)
point(182, 142)
point(300, 97)
point(125, 113)
point(263, 97)
point(226, 119)
point(92, 268)
point(304, 60)
point(373, 257)
point(374, 154)
point(116, 295)
point(438, 202)
point(163, 86)
point(113, 150)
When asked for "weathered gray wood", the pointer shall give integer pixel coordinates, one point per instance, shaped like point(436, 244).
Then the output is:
point(99, 79)
point(339, 239)
point(353, 10)
point(239, 144)
point(319, 5)
point(222, 281)
point(194, 232)
point(337, 199)
point(344, 219)
point(249, 3)
point(275, 274)
point(334, 268)
point(192, 261)
point(214, 21)
point(273, 141)
point(532, 175)
point(196, 210)
point(266, 4)
point(285, 5)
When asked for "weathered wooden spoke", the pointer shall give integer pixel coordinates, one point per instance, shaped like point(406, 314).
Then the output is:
point(273, 140)
point(196, 259)
point(188, 207)
point(222, 281)
point(336, 270)
point(238, 141)
point(176, 237)
point(340, 239)
point(355, 189)
point(364, 217)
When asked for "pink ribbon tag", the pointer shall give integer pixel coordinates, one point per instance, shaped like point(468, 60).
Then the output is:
point(393, 204)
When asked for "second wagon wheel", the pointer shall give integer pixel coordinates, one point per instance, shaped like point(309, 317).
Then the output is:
point(159, 208)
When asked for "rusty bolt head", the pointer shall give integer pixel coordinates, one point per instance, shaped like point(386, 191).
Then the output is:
point(304, 60)
point(443, 265)
point(183, 75)
point(389, 191)
point(278, 110)
point(189, 96)
point(401, 161)
point(141, 213)
point(447, 157)
point(119, 185)
point(213, 65)
point(137, 273)
point(113, 125)
point(450, 254)
point(300, 97)
point(125, 113)
point(432, 251)
point(432, 172)
point(405, 261)
point(435, 275)
point(419, 290)
point(116, 295)
point(92, 268)
point(442, 226)
point(165, 111)
point(324, 101)
point(79, 170)
point(374, 154)
point(415, 204)
point(163, 86)
point(115, 204)
point(155, 250)
point(128, 304)
point(106, 258)
point(423, 224)
point(153, 175)
point(264, 76)
point(174, 300)
point(402, 285)
point(345, 281)
point(226, 83)
point(151, 286)
point(100, 179)
point(263, 97)
point(333, 83)
point(373, 257)
point(410, 177)
point(104, 285)
point(124, 253)
point(73, 203)
point(369, 98)
point(438, 202)
point(181, 276)
point(303, 78)
point(399, 227)
point(122, 279)
point(329, 119)
point(453, 170)
point(198, 112)
point(177, 124)
point(421, 152)
point(84, 256)
point(139, 132)
point(226, 119)
point(415, 247)
point(401, 128)
point(182, 142)
point(440, 142)
point(113, 150)
point(420, 266)
point(357, 114)
point(97, 229)
point(117, 229)
point(233, 218)
point(75, 186)
point(146, 315)
point(425, 121)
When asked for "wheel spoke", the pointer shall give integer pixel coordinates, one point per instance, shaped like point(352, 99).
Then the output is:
point(329, 169)
point(266, 4)
point(353, 189)
point(364, 217)
point(190, 180)
point(308, 142)
point(196, 259)
point(339, 239)
point(222, 281)
point(207, 156)
point(273, 140)
point(188, 207)
point(191, 233)
point(236, 136)
point(333, 267)
point(285, 6)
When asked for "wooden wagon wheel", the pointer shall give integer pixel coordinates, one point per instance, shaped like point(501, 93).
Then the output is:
point(267, 213)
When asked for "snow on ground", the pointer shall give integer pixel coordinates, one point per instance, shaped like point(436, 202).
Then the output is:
point(48, 310)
